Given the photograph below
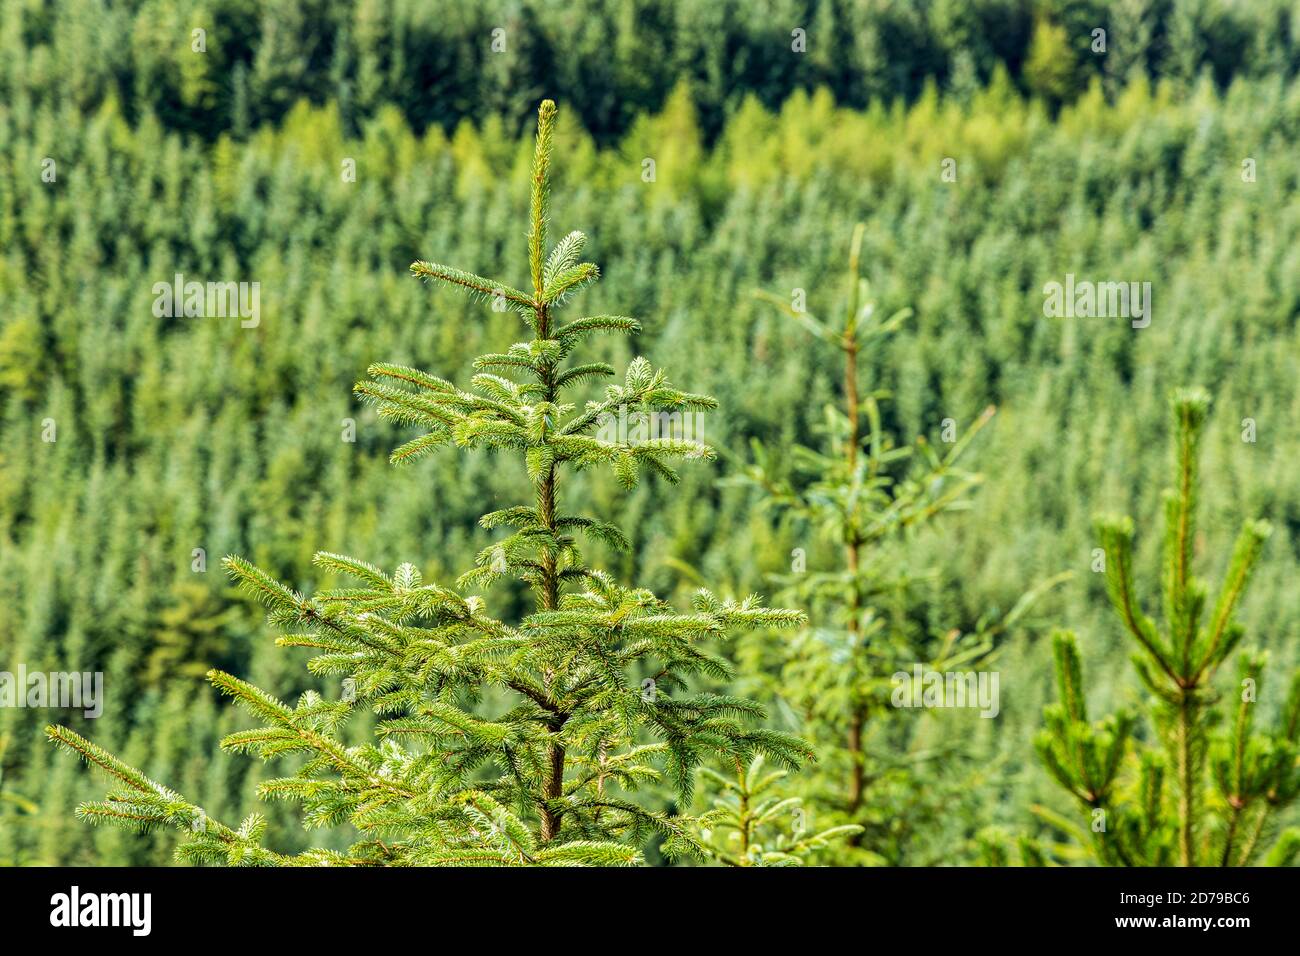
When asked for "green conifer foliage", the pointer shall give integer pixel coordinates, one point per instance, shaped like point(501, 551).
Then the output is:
point(752, 824)
point(16, 800)
point(498, 743)
point(6, 796)
point(1208, 790)
point(861, 490)
point(189, 634)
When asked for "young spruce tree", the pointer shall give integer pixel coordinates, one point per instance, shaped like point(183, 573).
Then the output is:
point(861, 491)
point(751, 823)
point(1208, 790)
point(595, 678)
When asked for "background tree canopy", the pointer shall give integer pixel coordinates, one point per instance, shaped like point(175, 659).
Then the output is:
point(1168, 158)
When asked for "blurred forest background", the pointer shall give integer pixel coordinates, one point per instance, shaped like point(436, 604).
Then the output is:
point(181, 433)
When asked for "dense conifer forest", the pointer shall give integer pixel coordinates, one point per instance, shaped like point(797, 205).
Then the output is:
point(776, 193)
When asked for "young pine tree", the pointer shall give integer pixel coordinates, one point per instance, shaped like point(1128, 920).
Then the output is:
point(1208, 790)
point(498, 743)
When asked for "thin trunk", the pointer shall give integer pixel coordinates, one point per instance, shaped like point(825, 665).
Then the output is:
point(1233, 821)
point(552, 790)
point(857, 771)
point(742, 816)
point(852, 559)
point(1186, 783)
point(553, 783)
point(851, 400)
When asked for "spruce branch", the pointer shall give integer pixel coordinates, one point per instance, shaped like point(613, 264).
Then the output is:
point(478, 287)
